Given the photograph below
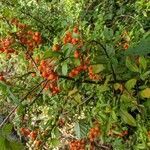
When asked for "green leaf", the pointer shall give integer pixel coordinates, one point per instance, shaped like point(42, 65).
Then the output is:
point(127, 118)
point(143, 62)
point(81, 129)
point(131, 66)
point(15, 145)
point(145, 75)
point(7, 129)
point(108, 33)
point(143, 48)
point(98, 68)
point(72, 92)
point(65, 69)
point(55, 142)
point(145, 93)
point(11, 95)
point(77, 97)
point(3, 86)
point(2, 143)
point(20, 110)
point(130, 84)
point(49, 54)
point(117, 86)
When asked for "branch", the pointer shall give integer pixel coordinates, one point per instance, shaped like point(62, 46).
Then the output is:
point(90, 81)
point(13, 110)
point(39, 93)
point(105, 51)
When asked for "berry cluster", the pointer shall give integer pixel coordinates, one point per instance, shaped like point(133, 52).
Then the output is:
point(74, 72)
point(28, 133)
point(28, 38)
point(77, 55)
point(77, 145)
point(46, 69)
point(32, 135)
point(16, 22)
point(94, 133)
point(25, 131)
point(68, 38)
point(6, 46)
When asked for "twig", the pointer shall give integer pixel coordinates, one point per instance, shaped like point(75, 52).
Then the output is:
point(91, 81)
point(39, 93)
point(13, 110)
point(105, 51)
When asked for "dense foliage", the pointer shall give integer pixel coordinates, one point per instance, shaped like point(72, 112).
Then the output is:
point(74, 74)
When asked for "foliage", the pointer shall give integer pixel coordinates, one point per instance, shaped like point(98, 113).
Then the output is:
point(75, 72)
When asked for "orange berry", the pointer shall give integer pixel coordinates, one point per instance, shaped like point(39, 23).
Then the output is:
point(56, 47)
point(33, 135)
point(25, 131)
point(2, 78)
point(75, 29)
point(35, 38)
point(33, 74)
point(76, 54)
point(37, 34)
point(45, 74)
point(43, 63)
point(51, 76)
point(126, 46)
point(38, 143)
point(71, 74)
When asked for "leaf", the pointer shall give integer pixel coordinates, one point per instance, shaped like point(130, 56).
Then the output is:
point(98, 68)
point(77, 97)
point(72, 92)
point(143, 62)
point(64, 68)
point(143, 48)
point(15, 100)
point(145, 75)
point(108, 33)
point(3, 86)
point(7, 129)
point(127, 118)
point(81, 129)
point(117, 86)
point(55, 142)
point(2, 143)
point(130, 84)
point(49, 54)
point(145, 93)
point(15, 145)
point(20, 110)
point(131, 66)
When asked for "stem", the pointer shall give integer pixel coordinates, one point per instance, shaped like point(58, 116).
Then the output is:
point(7, 117)
point(39, 93)
point(105, 51)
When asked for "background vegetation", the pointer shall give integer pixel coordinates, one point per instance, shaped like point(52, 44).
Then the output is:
point(74, 74)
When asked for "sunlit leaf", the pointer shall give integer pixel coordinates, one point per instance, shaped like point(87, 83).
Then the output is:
point(130, 84)
point(81, 129)
point(127, 118)
point(145, 93)
point(131, 66)
point(98, 68)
